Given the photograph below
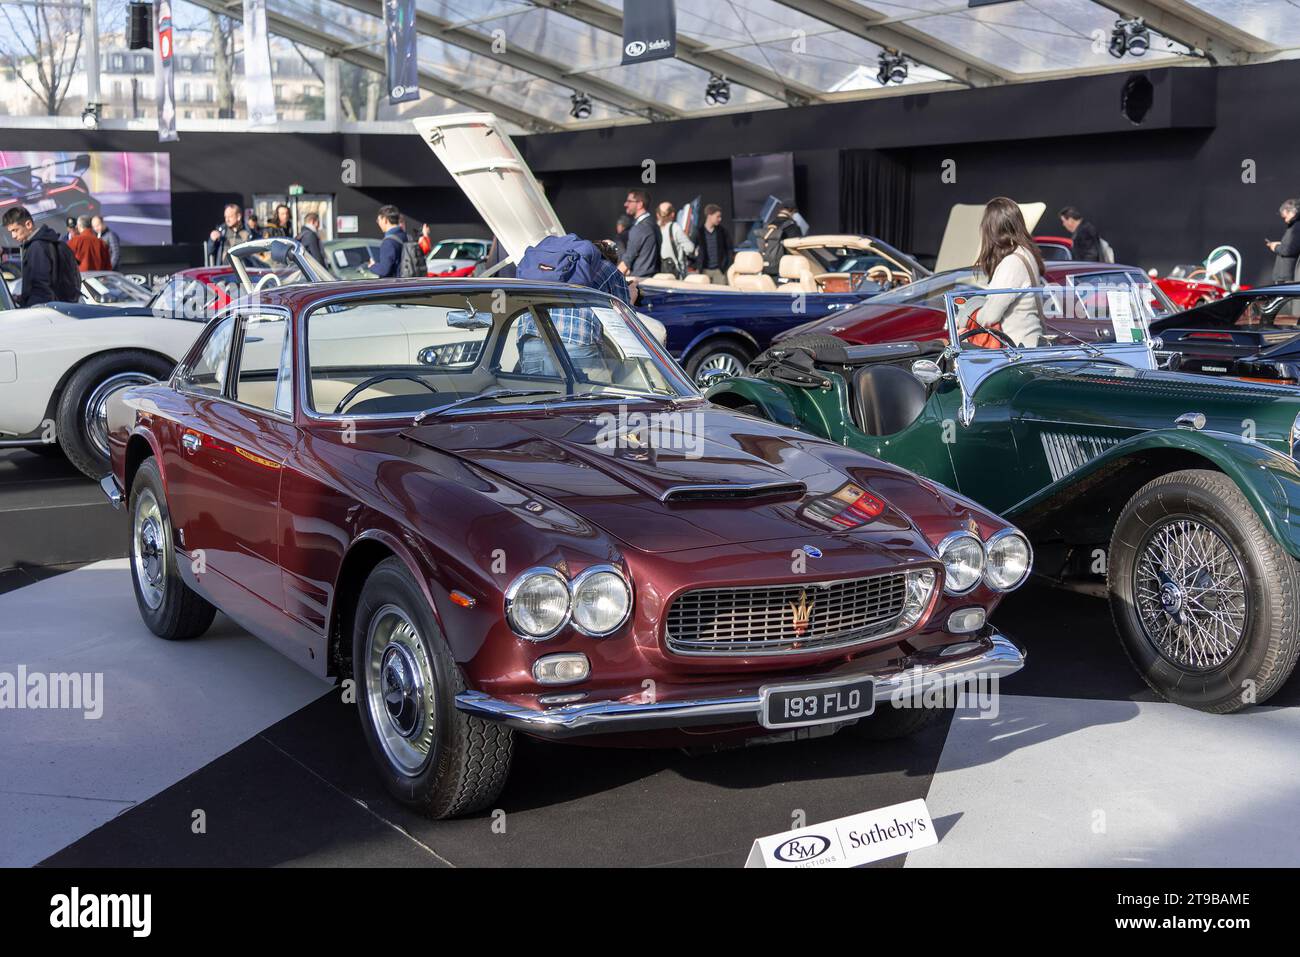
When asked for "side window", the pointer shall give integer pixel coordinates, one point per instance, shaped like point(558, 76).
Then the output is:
point(264, 380)
point(207, 373)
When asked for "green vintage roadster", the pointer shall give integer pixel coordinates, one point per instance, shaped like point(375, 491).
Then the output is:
point(1180, 492)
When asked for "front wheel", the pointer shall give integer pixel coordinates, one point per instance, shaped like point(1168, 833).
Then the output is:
point(1205, 599)
point(438, 760)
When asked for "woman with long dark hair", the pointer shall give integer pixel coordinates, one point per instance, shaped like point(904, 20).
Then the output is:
point(1011, 260)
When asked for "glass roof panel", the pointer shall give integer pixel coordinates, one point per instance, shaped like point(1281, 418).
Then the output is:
point(1276, 21)
point(834, 62)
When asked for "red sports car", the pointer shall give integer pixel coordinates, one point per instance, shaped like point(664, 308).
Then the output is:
point(1185, 286)
point(915, 313)
point(517, 515)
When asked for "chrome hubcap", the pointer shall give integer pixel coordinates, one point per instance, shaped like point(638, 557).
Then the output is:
point(95, 410)
point(149, 549)
point(400, 689)
point(722, 362)
point(1191, 594)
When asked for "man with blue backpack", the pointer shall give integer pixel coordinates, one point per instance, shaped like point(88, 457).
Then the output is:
point(581, 263)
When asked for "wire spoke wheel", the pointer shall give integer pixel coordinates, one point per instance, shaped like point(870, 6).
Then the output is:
point(1189, 589)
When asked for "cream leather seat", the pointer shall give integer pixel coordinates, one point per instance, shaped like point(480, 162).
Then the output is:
point(797, 272)
point(746, 273)
point(698, 279)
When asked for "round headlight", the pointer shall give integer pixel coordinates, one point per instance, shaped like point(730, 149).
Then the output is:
point(537, 603)
point(601, 600)
point(1009, 559)
point(962, 555)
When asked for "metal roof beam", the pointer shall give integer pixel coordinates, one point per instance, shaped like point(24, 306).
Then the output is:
point(290, 29)
point(525, 61)
point(696, 53)
point(903, 37)
point(1197, 29)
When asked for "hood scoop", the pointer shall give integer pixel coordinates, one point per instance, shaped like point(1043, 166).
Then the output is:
point(762, 491)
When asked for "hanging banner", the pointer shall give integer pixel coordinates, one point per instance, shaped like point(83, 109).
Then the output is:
point(259, 88)
point(163, 79)
point(649, 30)
point(403, 66)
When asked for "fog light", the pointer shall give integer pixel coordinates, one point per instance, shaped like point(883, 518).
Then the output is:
point(561, 669)
point(965, 620)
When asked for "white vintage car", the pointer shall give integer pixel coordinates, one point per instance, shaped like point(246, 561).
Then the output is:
point(60, 362)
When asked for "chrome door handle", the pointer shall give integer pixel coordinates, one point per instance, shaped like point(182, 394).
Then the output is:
point(190, 441)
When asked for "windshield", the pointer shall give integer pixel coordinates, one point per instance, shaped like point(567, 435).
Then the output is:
point(350, 257)
point(1087, 315)
point(929, 292)
point(114, 288)
point(405, 355)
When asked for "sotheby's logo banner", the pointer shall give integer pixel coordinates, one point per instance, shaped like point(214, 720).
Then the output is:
point(849, 841)
point(403, 67)
point(649, 30)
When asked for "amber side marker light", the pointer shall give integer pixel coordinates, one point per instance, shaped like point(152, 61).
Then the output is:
point(460, 598)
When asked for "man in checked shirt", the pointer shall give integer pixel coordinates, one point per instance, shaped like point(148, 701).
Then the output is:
point(578, 327)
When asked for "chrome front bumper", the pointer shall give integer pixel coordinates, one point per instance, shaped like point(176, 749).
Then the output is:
point(995, 655)
point(108, 484)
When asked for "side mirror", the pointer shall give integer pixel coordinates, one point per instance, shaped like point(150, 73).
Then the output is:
point(927, 371)
point(710, 377)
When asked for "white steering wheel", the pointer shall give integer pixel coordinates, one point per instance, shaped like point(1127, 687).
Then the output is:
point(266, 280)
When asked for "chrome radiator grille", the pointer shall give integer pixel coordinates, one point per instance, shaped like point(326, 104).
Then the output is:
point(770, 619)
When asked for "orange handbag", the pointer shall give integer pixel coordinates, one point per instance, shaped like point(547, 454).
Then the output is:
point(983, 340)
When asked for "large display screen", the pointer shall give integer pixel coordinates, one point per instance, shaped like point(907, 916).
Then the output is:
point(755, 177)
point(132, 191)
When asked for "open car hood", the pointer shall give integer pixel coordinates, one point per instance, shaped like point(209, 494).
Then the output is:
point(961, 237)
point(485, 164)
point(741, 484)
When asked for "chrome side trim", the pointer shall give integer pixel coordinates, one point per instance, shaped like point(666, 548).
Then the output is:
point(108, 485)
point(993, 655)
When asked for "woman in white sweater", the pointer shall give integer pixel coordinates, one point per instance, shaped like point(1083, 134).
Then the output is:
point(1011, 260)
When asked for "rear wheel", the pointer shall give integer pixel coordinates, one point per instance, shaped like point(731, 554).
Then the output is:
point(170, 608)
point(431, 756)
point(728, 356)
point(1204, 598)
point(81, 420)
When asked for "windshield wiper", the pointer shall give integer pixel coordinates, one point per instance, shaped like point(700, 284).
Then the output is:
point(490, 394)
point(1092, 350)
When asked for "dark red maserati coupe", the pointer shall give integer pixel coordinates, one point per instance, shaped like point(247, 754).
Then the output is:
point(500, 507)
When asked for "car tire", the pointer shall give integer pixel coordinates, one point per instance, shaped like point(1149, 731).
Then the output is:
point(431, 756)
point(730, 355)
point(169, 607)
point(78, 420)
point(887, 722)
point(1178, 615)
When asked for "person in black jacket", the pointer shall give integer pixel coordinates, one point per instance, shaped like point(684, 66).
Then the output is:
point(713, 251)
point(230, 233)
point(1087, 242)
point(310, 237)
point(1287, 249)
point(49, 269)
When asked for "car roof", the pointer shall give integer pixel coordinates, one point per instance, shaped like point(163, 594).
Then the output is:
point(302, 296)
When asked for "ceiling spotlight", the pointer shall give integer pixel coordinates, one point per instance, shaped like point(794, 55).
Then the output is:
point(893, 68)
point(581, 106)
point(718, 91)
point(90, 116)
point(1131, 37)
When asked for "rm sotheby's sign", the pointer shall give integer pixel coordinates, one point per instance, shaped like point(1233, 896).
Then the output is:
point(849, 841)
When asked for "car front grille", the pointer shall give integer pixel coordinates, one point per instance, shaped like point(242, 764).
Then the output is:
point(776, 619)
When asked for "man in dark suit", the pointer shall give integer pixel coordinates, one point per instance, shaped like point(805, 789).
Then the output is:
point(310, 238)
point(641, 257)
point(1087, 242)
